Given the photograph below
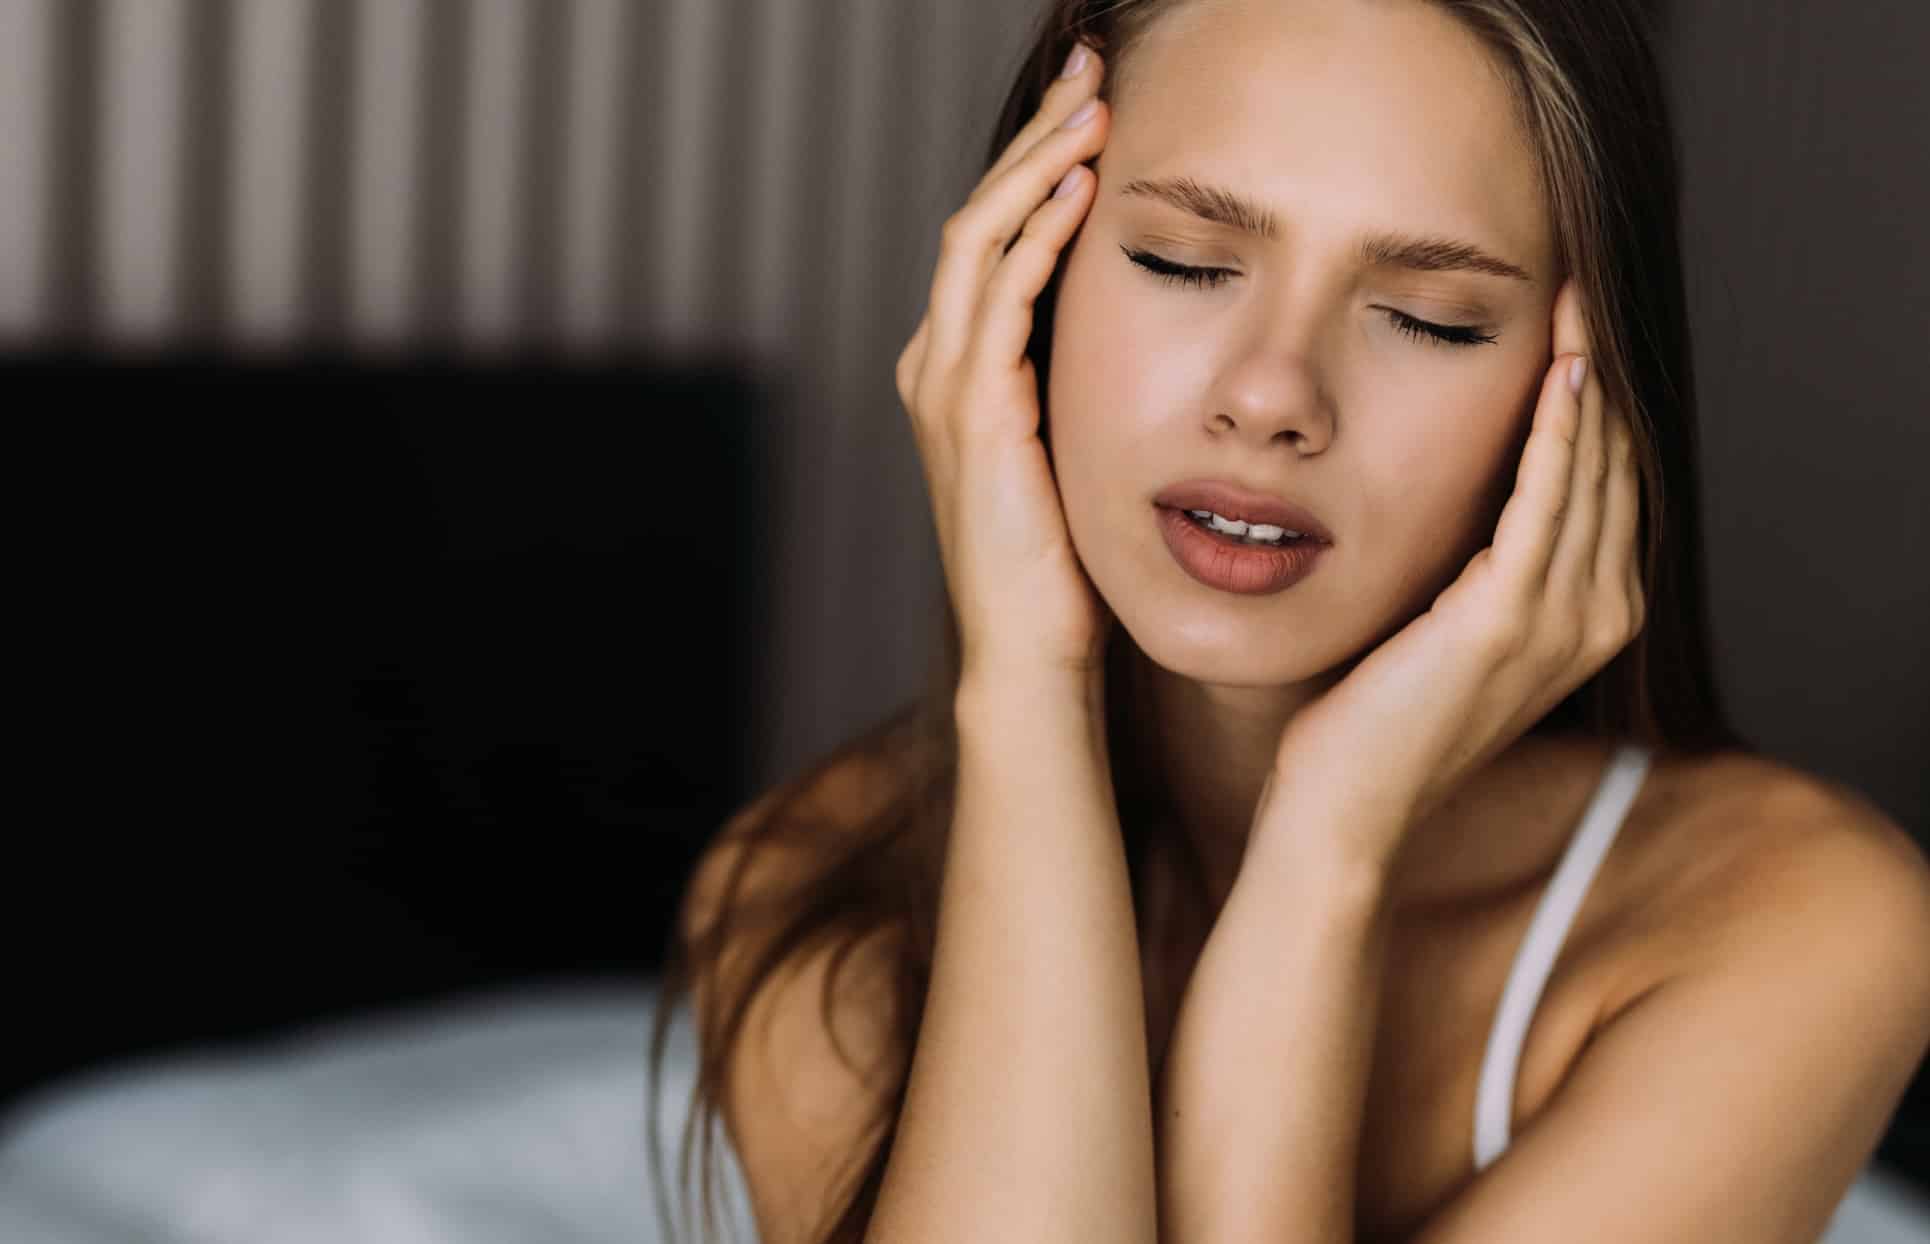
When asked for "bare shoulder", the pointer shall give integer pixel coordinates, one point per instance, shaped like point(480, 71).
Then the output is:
point(1779, 835)
point(1756, 864)
point(1737, 1091)
point(1771, 1007)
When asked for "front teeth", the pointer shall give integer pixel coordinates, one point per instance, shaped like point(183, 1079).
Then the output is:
point(1253, 531)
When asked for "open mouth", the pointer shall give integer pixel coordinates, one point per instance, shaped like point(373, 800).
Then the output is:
point(1235, 563)
point(1246, 541)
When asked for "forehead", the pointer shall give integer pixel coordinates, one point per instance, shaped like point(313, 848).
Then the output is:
point(1345, 114)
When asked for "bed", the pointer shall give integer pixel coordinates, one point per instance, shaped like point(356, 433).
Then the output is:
point(496, 1117)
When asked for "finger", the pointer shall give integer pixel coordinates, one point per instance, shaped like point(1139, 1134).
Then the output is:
point(1616, 570)
point(911, 364)
point(1637, 595)
point(1524, 538)
point(1572, 567)
point(977, 235)
point(1005, 314)
point(1061, 99)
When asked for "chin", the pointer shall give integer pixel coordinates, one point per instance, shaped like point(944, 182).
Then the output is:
point(1219, 652)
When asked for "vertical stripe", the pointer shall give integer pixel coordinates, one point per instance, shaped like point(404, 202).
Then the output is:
point(386, 175)
point(802, 494)
point(642, 137)
point(271, 96)
point(72, 292)
point(26, 118)
point(207, 166)
point(441, 206)
point(952, 144)
point(914, 79)
point(140, 167)
point(725, 279)
point(595, 57)
point(540, 170)
point(495, 193)
point(686, 179)
point(844, 425)
point(784, 91)
point(323, 264)
point(782, 98)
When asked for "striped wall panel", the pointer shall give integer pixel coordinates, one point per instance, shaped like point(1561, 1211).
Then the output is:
point(756, 179)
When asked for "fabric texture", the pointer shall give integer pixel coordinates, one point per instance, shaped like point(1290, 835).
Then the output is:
point(499, 1118)
point(1534, 961)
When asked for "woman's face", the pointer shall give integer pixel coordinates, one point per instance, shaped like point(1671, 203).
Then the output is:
point(1292, 377)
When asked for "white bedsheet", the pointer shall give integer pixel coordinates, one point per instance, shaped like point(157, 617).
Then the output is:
point(504, 1117)
point(507, 1117)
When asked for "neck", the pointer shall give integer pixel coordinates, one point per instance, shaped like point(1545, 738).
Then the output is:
point(1209, 749)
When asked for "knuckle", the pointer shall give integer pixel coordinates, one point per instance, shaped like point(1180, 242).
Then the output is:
point(957, 230)
point(906, 371)
point(1014, 269)
point(1605, 634)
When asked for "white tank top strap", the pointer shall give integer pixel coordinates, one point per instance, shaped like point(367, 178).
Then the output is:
point(1535, 959)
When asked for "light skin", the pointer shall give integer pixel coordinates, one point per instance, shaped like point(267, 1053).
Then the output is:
point(1291, 374)
point(1334, 743)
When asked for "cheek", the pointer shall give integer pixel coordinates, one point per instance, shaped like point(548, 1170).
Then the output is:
point(1105, 394)
point(1442, 485)
point(1115, 348)
point(1080, 329)
point(1099, 373)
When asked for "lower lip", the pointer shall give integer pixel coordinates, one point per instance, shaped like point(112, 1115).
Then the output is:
point(1248, 569)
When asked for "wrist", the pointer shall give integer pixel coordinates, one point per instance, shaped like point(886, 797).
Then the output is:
point(1321, 863)
point(995, 694)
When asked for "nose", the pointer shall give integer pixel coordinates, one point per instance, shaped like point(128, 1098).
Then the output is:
point(1271, 391)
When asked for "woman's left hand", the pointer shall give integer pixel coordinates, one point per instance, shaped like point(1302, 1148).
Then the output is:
point(1532, 617)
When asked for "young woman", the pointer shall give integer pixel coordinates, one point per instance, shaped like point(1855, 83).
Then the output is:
point(1305, 402)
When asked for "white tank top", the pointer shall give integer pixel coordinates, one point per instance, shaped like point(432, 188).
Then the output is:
point(1535, 960)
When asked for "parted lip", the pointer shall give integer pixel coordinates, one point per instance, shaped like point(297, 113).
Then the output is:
point(1235, 501)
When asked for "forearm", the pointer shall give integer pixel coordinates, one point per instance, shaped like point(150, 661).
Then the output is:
point(1028, 1111)
point(1265, 1081)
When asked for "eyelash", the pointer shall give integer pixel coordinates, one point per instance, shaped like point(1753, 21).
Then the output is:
point(1207, 278)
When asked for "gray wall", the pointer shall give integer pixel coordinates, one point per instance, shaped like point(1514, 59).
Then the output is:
point(764, 179)
point(1805, 128)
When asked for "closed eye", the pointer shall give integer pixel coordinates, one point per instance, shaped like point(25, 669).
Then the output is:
point(1208, 278)
point(1177, 274)
point(1443, 334)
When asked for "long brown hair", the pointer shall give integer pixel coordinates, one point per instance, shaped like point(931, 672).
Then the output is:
point(1589, 93)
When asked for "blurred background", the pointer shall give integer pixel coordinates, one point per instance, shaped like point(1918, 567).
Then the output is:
point(461, 462)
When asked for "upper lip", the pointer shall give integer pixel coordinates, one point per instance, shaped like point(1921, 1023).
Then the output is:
point(1235, 501)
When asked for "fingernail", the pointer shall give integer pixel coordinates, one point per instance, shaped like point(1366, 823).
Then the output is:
point(1076, 61)
point(1068, 183)
point(1082, 116)
point(1577, 370)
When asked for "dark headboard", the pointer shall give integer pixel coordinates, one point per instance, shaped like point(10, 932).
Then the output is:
point(355, 683)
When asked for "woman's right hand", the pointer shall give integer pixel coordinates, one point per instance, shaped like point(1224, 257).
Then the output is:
point(1025, 605)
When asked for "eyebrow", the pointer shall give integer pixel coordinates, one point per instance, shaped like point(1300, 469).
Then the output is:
point(1387, 249)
